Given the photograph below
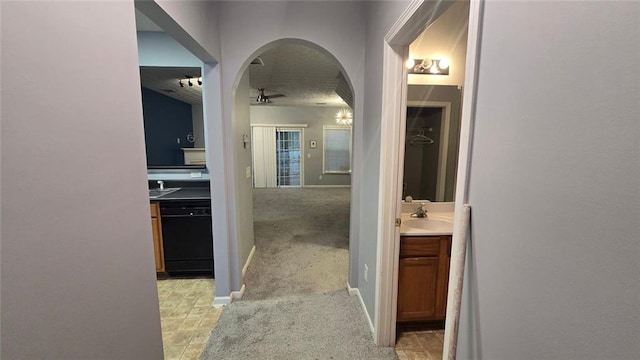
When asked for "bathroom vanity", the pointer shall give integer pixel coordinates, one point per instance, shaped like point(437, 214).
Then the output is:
point(423, 276)
point(423, 271)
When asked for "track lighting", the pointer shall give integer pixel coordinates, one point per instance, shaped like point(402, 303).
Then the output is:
point(190, 81)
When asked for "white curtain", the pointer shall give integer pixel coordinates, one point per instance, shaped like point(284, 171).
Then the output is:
point(264, 156)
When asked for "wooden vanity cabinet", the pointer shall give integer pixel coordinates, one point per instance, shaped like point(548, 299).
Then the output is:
point(423, 278)
point(156, 227)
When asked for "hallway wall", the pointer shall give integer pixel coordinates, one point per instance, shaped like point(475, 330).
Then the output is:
point(338, 27)
point(78, 274)
point(555, 184)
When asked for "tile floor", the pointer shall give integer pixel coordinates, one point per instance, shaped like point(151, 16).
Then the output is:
point(420, 345)
point(187, 316)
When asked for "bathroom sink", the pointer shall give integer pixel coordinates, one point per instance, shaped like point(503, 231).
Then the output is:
point(156, 193)
point(429, 224)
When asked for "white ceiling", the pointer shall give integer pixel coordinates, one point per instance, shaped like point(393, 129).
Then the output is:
point(302, 76)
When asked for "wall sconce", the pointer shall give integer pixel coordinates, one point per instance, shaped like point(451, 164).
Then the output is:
point(428, 66)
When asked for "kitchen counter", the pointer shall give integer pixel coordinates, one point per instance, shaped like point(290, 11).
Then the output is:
point(182, 194)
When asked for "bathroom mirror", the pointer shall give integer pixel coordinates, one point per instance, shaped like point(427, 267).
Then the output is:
point(431, 142)
point(173, 116)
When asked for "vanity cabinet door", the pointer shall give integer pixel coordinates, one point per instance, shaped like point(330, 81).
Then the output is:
point(423, 277)
point(417, 285)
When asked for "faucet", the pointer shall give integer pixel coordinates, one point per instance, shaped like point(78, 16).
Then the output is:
point(161, 183)
point(421, 212)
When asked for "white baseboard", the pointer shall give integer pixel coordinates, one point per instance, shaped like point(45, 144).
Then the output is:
point(237, 295)
point(356, 292)
point(327, 186)
point(220, 301)
point(246, 264)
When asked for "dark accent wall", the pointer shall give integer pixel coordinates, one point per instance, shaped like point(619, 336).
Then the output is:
point(165, 121)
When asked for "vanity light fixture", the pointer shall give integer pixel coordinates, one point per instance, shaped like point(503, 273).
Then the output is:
point(344, 117)
point(428, 66)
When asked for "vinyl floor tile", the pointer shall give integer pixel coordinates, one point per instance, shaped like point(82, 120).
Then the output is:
point(187, 316)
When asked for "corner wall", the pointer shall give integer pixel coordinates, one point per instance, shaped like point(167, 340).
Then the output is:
point(78, 274)
point(555, 184)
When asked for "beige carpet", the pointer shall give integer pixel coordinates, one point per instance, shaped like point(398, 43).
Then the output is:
point(296, 305)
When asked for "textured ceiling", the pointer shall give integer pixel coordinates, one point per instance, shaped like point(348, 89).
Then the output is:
point(300, 75)
point(165, 80)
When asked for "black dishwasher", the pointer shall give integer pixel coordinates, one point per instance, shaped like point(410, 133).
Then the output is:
point(187, 238)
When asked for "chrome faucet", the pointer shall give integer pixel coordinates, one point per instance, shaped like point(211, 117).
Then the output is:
point(421, 212)
point(161, 183)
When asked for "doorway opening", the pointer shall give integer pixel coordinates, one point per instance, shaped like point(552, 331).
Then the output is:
point(276, 156)
point(301, 169)
point(397, 50)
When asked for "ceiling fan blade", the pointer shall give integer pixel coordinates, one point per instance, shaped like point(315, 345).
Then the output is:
point(275, 96)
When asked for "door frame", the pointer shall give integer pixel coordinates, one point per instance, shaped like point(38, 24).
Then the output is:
point(418, 15)
point(301, 140)
point(301, 127)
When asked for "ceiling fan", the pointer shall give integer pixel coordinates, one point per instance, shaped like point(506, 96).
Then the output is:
point(265, 99)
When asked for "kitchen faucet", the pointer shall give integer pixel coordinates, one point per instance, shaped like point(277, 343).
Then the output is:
point(161, 183)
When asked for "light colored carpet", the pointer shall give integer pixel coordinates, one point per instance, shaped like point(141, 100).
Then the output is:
point(296, 305)
point(302, 242)
point(328, 326)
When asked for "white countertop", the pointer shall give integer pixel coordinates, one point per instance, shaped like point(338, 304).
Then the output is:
point(441, 224)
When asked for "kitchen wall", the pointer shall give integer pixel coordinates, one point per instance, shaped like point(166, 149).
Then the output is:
point(198, 125)
point(160, 49)
point(555, 184)
point(165, 121)
point(78, 274)
point(315, 118)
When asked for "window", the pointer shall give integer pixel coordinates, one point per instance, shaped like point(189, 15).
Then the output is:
point(336, 157)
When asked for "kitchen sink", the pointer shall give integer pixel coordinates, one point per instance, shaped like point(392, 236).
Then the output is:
point(156, 193)
point(429, 224)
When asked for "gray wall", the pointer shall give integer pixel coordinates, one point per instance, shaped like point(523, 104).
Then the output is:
point(337, 27)
point(315, 117)
point(555, 184)
point(78, 274)
point(244, 187)
point(381, 15)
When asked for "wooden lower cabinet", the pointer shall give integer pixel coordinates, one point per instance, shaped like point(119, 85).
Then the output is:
point(423, 278)
point(156, 227)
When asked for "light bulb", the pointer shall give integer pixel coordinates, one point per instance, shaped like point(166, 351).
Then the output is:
point(444, 64)
point(410, 63)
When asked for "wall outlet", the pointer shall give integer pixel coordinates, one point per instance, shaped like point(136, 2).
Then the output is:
point(366, 273)
point(248, 171)
point(320, 177)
